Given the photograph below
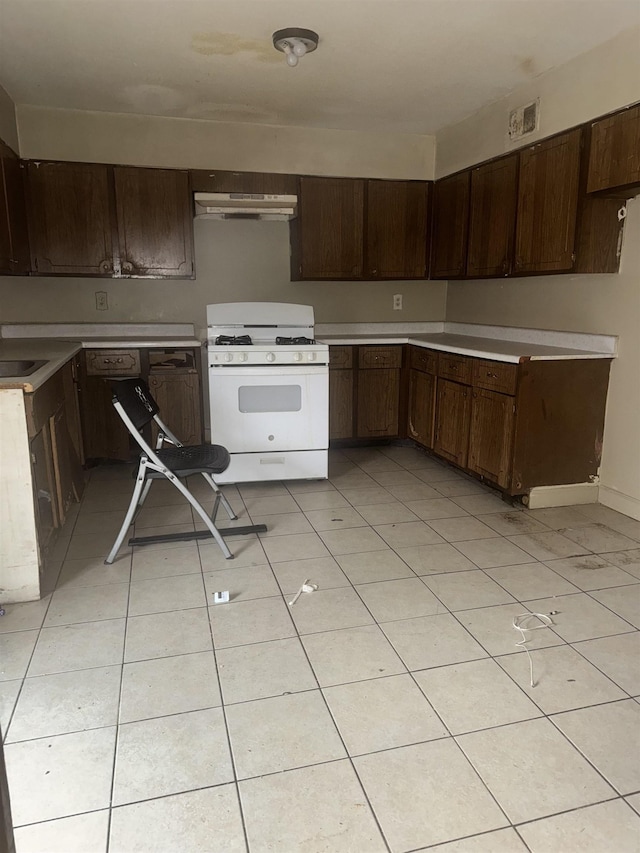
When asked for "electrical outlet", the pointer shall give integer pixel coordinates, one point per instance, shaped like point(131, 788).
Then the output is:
point(102, 300)
point(397, 302)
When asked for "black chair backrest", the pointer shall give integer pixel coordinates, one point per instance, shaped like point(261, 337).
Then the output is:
point(134, 397)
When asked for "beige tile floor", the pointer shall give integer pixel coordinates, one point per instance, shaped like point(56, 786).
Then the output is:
point(388, 711)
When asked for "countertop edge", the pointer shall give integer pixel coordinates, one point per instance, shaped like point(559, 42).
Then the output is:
point(514, 358)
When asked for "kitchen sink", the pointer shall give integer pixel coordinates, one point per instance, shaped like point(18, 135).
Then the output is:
point(19, 368)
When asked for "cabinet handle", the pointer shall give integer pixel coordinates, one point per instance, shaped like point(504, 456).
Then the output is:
point(492, 375)
point(505, 265)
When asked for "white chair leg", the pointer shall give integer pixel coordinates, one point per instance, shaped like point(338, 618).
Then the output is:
point(203, 515)
point(225, 503)
point(138, 490)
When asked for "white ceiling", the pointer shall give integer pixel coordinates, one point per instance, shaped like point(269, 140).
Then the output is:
point(403, 65)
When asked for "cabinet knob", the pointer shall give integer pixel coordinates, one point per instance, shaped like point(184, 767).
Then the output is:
point(374, 272)
point(106, 266)
point(492, 375)
point(127, 266)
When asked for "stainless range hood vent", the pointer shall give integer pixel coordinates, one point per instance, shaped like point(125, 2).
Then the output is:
point(245, 206)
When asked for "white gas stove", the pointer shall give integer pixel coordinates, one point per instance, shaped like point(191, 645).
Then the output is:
point(268, 391)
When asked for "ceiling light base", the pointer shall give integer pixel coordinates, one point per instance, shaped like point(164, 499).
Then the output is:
point(295, 42)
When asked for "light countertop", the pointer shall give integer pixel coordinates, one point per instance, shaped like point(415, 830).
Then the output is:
point(498, 343)
point(53, 353)
point(56, 343)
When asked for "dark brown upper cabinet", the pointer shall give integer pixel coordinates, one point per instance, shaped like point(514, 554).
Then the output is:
point(492, 218)
point(450, 226)
point(155, 222)
point(14, 243)
point(71, 222)
point(217, 181)
point(397, 229)
point(614, 154)
point(328, 234)
point(548, 204)
point(98, 220)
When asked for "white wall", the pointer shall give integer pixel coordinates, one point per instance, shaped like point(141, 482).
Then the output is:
point(600, 81)
point(59, 134)
point(596, 83)
point(235, 261)
point(8, 125)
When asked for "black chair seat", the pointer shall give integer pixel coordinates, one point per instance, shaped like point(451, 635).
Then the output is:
point(183, 461)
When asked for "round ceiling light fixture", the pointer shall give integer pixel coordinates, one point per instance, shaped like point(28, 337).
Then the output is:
point(294, 42)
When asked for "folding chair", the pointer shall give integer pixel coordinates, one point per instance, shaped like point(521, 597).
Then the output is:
point(137, 408)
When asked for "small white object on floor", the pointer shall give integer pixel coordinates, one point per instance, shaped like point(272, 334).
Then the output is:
point(221, 597)
point(545, 622)
point(307, 586)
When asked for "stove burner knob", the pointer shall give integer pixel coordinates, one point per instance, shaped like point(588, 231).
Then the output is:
point(270, 356)
point(311, 356)
point(297, 356)
point(243, 356)
point(228, 356)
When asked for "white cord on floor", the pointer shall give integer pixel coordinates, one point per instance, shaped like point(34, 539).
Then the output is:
point(545, 621)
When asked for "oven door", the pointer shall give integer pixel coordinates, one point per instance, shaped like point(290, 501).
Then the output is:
point(264, 408)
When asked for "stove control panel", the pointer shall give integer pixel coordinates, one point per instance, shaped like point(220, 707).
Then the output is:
point(231, 356)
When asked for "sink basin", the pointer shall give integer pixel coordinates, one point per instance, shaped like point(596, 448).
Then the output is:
point(19, 368)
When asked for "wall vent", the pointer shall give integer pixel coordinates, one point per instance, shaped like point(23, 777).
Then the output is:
point(524, 120)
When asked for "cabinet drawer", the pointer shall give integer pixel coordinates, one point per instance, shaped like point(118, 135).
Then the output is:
point(424, 359)
point(113, 362)
point(380, 357)
point(495, 375)
point(456, 367)
point(341, 357)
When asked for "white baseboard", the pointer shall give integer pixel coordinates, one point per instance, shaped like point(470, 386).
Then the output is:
point(619, 501)
point(573, 493)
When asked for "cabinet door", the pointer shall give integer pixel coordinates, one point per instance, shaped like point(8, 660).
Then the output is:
point(66, 465)
point(614, 157)
point(422, 388)
point(14, 243)
point(491, 436)
point(397, 235)
point(330, 226)
point(450, 226)
point(70, 218)
point(452, 421)
point(44, 489)
point(340, 403)
point(378, 402)
point(547, 205)
point(492, 217)
point(155, 222)
point(104, 435)
point(178, 398)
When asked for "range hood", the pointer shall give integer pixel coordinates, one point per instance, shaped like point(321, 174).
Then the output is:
point(245, 206)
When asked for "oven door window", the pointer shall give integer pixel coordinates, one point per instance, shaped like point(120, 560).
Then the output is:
point(269, 398)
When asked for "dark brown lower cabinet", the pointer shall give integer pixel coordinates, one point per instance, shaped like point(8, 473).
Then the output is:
point(378, 391)
point(178, 394)
point(378, 403)
point(453, 408)
point(341, 388)
point(422, 388)
point(491, 436)
point(340, 403)
point(178, 398)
